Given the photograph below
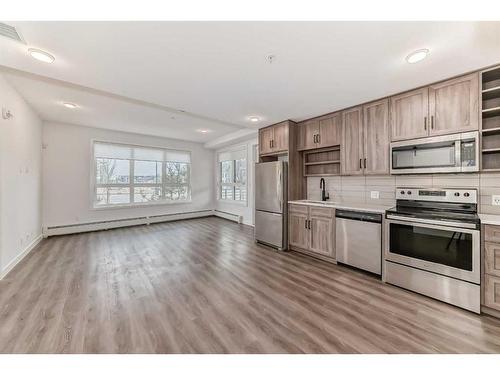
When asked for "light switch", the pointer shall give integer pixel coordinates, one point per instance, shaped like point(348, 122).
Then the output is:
point(374, 195)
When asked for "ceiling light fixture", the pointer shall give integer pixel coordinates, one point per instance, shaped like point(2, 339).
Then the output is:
point(254, 119)
point(204, 131)
point(70, 105)
point(417, 56)
point(41, 55)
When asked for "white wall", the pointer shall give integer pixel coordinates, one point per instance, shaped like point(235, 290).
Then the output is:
point(67, 168)
point(237, 208)
point(20, 178)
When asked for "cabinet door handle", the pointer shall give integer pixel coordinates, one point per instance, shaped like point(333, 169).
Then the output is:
point(365, 163)
point(315, 138)
point(309, 226)
point(432, 122)
point(360, 163)
point(425, 123)
point(305, 223)
point(319, 138)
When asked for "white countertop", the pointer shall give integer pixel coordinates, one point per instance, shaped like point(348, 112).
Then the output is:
point(364, 207)
point(490, 219)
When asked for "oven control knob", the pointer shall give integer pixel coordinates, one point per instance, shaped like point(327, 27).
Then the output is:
point(409, 192)
point(466, 194)
point(457, 194)
point(402, 192)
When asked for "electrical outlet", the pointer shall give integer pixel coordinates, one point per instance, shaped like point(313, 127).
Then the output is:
point(374, 194)
point(495, 200)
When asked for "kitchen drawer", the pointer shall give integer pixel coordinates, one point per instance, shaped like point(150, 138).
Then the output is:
point(322, 211)
point(492, 291)
point(492, 233)
point(492, 258)
point(299, 208)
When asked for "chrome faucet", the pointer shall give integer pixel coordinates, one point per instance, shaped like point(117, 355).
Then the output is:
point(324, 195)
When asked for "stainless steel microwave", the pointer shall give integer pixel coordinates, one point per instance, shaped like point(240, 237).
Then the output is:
point(443, 154)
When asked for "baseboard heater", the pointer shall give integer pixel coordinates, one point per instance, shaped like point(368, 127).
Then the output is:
point(110, 224)
point(228, 216)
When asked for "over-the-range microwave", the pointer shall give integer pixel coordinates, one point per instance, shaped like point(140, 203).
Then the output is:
point(443, 154)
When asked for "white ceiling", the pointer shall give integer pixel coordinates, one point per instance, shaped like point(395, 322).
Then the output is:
point(218, 72)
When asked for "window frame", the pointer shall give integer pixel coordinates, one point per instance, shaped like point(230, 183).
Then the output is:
point(232, 184)
point(132, 184)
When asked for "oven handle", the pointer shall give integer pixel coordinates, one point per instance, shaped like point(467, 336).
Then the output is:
point(432, 222)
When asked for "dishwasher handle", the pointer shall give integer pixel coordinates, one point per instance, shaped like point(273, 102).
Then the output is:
point(359, 216)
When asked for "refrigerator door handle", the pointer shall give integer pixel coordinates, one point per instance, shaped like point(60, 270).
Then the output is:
point(280, 189)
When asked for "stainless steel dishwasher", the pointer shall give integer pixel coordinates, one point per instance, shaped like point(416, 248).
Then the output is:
point(359, 239)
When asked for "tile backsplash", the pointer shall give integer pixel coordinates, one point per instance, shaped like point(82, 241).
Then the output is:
point(358, 188)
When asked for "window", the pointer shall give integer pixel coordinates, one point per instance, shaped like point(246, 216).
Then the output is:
point(233, 175)
point(128, 175)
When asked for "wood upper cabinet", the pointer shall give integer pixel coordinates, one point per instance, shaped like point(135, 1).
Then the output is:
point(274, 139)
point(322, 232)
point(409, 115)
point(323, 132)
point(376, 137)
point(330, 130)
point(298, 232)
point(265, 140)
point(280, 138)
point(454, 105)
point(352, 141)
point(443, 108)
point(307, 135)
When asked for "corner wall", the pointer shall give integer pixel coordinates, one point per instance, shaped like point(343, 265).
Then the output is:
point(20, 178)
point(67, 197)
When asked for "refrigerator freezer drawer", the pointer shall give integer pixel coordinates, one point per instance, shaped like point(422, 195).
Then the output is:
point(269, 229)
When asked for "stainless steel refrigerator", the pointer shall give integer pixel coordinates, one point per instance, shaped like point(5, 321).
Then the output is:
point(271, 204)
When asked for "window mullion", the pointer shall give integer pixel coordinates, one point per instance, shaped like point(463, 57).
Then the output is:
point(132, 178)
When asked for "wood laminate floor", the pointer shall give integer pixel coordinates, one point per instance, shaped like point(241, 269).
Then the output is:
point(204, 286)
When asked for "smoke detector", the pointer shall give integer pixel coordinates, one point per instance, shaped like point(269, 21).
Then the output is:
point(11, 33)
point(270, 58)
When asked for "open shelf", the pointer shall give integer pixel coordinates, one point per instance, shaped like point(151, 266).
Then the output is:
point(492, 93)
point(491, 131)
point(322, 162)
point(490, 150)
point(490, 120)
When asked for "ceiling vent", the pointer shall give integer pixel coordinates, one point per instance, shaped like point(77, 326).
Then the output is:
point(10, 32)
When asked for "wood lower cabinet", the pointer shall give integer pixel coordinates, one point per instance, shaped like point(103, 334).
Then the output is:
point(312, 229)
point(454, 105)
point(298, 232)
point(352, 142)
point(492, 292)
point(491, 253)
point(322, 234)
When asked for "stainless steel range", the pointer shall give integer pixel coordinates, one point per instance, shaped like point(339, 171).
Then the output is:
point(432, 244)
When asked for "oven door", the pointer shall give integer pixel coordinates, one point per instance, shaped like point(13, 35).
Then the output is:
point(449, 251)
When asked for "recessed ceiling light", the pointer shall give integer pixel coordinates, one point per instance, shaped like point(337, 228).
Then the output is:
point(417, 56)
point(41, 55)
point(70, 105)
point(204, 131)
point(254, 119)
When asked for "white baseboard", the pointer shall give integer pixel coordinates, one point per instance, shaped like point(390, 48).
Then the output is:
point(229, 216)
point(110, 224)
point(20, 257)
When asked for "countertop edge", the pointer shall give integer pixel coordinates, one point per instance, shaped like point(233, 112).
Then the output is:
point(346, 206)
